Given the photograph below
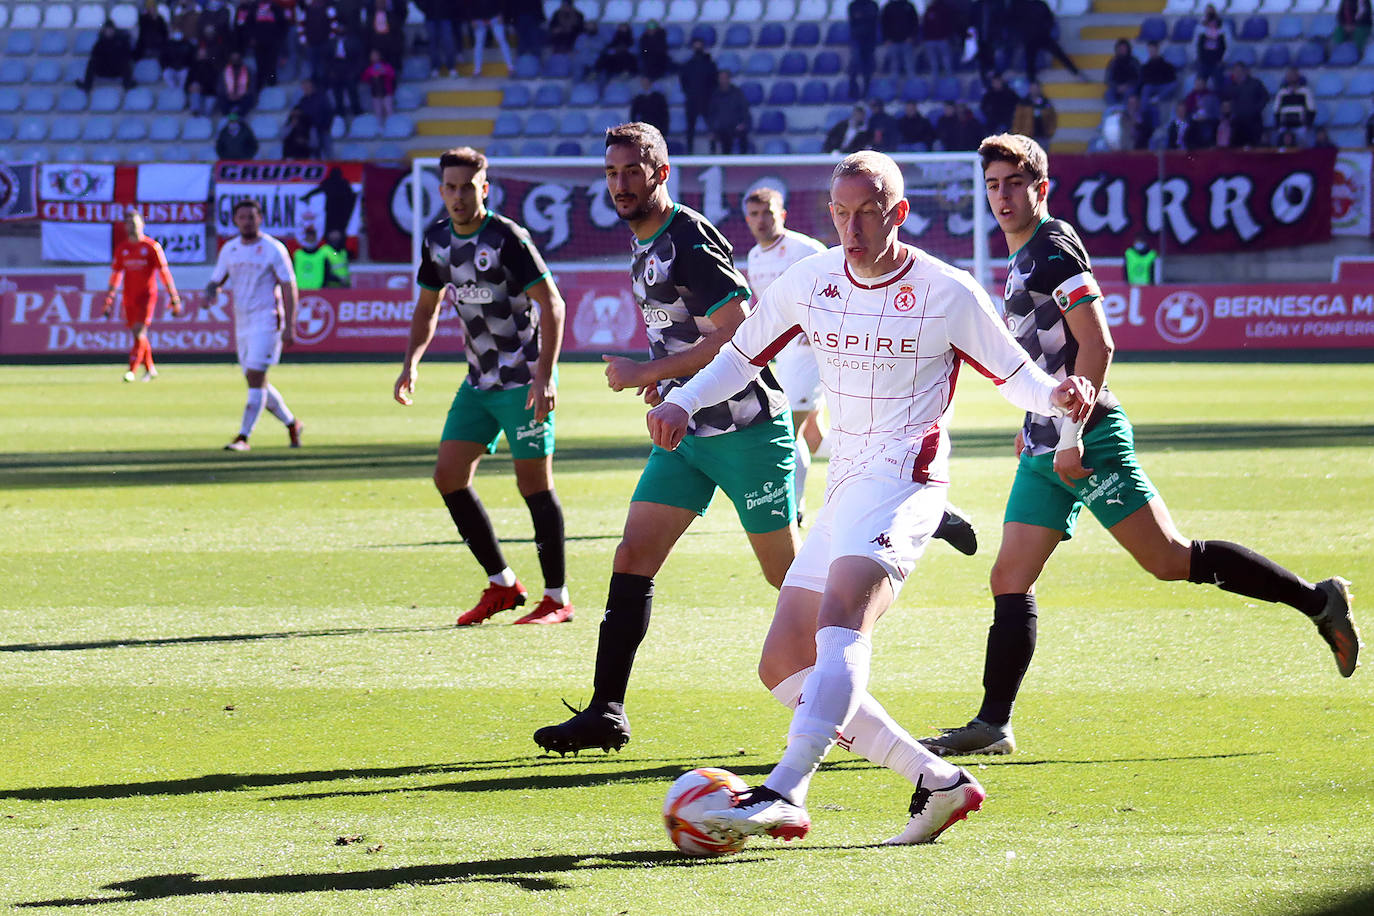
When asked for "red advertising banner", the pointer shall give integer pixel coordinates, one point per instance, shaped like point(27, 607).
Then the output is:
point(1202, 202)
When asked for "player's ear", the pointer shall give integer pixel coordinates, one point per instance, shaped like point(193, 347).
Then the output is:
point(902, 209)
point(1042, 189)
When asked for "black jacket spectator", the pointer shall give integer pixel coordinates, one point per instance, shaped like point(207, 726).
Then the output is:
point(863, 45)
point(1210, 47)
point(567, 23)
point(111, 58)
point(177, 54)
point(618, 56)
point(899, 20)
point(236, 139)
point(959, 129)
point(915, 128)
point(849, 135)
point(727, 114)
point(650, 106)
point(1035, 21)
point(1248, 98)
point(314, 104)
point(1123, 73)
point(1157, 73)
point(653, 51)
point(152, 32)
point(998, 105)
point(343, 67)
point(883, 128)
point(698, 77)
point(1183, 132)
point(299, 141)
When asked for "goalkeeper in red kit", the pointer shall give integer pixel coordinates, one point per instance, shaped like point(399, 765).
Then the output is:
point(140, 261)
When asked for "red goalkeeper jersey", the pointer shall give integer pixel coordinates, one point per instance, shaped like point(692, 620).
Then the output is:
point(141, 263)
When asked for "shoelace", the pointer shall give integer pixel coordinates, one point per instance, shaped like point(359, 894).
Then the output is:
point(920, 797)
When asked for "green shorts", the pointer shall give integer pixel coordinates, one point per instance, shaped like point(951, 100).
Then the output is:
point(1116, 488)
point(481, 416)
point(754, 466)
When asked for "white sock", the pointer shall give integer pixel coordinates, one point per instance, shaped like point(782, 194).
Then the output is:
point(829, 697)
point(557, 594)
point(278, 407)
point(803, 456)
point(505, 577)
point(875, 736)
point(252, 409)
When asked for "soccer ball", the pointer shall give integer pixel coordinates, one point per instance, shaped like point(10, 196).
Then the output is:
point(692, 795)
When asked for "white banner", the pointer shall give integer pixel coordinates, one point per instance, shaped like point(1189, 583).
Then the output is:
point(160, 183)
point(183, 243)
point(77, 181)
point(88, 243)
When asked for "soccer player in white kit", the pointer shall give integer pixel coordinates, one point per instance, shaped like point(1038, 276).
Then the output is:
point(257, 270)
point(891, 326)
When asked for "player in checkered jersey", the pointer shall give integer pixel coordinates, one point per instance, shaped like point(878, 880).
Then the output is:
point(257, 270)
point(512, 316)
point(890, 326)
point(1054, 306)
point(692, 298)
point(779, 248)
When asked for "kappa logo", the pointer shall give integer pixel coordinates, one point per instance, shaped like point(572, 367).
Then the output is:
point(831, 292)
point(882, 541)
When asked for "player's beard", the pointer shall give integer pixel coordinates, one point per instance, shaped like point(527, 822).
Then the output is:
point(640, 212)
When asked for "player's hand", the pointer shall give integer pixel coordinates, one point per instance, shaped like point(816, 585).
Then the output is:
point(176, 305)
point(1075, 396)
point(405, 386)
point(212, 292)
point(623, 372)
point(542, 398)
point(667, 425)
point(1020, 445)
point(650, 394)
point(1068, 464)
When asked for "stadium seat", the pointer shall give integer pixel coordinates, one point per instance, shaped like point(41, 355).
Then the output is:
point(549, 95)
point(815, 11)
point(169, 100)
point(705, 32)
point(19, 44)
point(607, 117)
point(271, 99)
point(782, 93)
point(568, 148)
point(1345, 54)
point(33, 152)
point(139, 99)
point(26, 16)
point(1255, 28)
point(574, 123)
point(89, 16)
point(758, 63)
point(780, 11)
point(1184, 28)
point(13, 72)
point(748, 10)
point(164, 130)
point(52, 44)
point(72, 101)
point(131, 130)
point(508, 124)
point(915, 89)
point(674, 36)
point(46, 70)
point(32, 130)
point(268, 127)
point(398, 127)
point(517, 95)
point(1176, 55)
point(540, 124)
point(806, 35)
point(83, 44)
point(646, 10)
point(106, 98)
point(753, 92)
point(174, 152)
point(776, 146)
point(1242, 54)
point(4, 21)
point(837, 34)
point(199, 130)
point(618, 11)
point(58, 16)
point(803, 120)
point(827, 63)
point(946, 89)
point(534, 148)
point(1323, 117)
point(1275, 57)
point(147, 71)
point(681, 12)
point(738, 35)
point(408, 98)
point(1361, 85)
point(70, 153)
point(527, 66)
point(771, 121)
point(840, 92)
point(1274, 7)
point(65, 130)
point(883, 88)
point(1347, 113)
point(792, 63)
point(40, 101)
point(619, 94)
point(1326, 84)
point(414, 69)
point(809, 146)
point(715, 11)
point(771, 35)
point(557, 67)
point(500, 148)
point(584, 95)
point(7, 130)
point(1153, 28)
point(815, 92)
point(1310, 54)
point(124, 16)
point(1320, 26)
point(1288, 28)
point(363, 127)
point(1367, 59)
point(97, 129)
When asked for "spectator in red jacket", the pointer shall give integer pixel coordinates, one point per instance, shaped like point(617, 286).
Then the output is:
point(380, 77)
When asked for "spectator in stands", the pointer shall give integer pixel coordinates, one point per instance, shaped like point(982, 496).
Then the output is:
point(236, 139)
point(990, 18)
point(998, 104)
point(1123, 73)
point(214, 25)
point(1158, 77)
point(650, 106)
point(186, 20)
point(176, 58)
point(586, 49)
point(1137, 123)
point(315, 22)
point(528, 18)
point(1202, 100)
point(959, 128)
point(1035, 21)
point(618, 56)
point(1210, 49)
point(727, 115)
point(882, 128)
point(386, 24)
point(314, 104)
point(1294, 108)
point(849, 135)
point(152, 31)
point(698, 77)
point(1352, 23)
point(299, 140)
point(863, 45)
point(1035, 117)
point(1322, 139)
point(236, 88)
point(202, 82)
point(344, 50)
point(486, 16)
point(653, 51)
point(111, 58)
point(261, 26)
point(1226, 126)
point(1182, 131)
point(900, 26)
point(1248, 99)
point(914, 129)
point(939, 26)
point(380, 77)
point(440, 35)
point(565, 25)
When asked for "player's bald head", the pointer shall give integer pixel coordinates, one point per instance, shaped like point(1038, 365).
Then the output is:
point(879, 168)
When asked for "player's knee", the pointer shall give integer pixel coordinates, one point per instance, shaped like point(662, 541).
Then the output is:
point(1169, 565)
point(1006, 579)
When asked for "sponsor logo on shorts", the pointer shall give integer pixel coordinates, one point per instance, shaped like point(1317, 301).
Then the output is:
point(532, 430)
point(770, 494)
point(1097, 487)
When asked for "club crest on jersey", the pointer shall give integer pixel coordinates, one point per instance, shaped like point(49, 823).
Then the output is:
point(485, 259)
point(905, 299)
point(651, 271)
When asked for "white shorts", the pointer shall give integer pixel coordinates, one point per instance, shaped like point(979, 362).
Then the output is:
point(882, 518)
point(799, 376)
point(259, 349)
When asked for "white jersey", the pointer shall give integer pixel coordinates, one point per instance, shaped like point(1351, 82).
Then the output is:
point(796, 369)
point(253, 271)
point(889, 350)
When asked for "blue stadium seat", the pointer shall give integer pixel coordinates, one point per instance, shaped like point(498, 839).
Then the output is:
point(164, 130)
point(584, 95)
point(76, 70)
point(399, 127)
point(1347, 113)
point(1323, 117)
point(199, 130)
point(1153, 28)
point(1256, 28)
point(271, 99)
point(140, 152)
point(675, 36)
point(97, 129)
point(759, 63)
point(19, 44)
point(51, 44)
point(557, 67)
point(810, 146)
point(837, 34)
point(32, 130)
point(1176, 55)
point(499, 148)
point(840, 92)
point(806, 35)
point(753, 92)
point(45, 70)
point(771, 121)
point(1361, 85)
point(516, 95)
point(884, 88)
point(69, 153)
point(549, 95)
point(534, 148)
point(7, 129)
point(83, 44)
point(574, 123)
point(1327, 84)
point(1184, 27)
point(408, 98)
point(13, 72)
point(527, 66)
point(414, 69)
point(268, 127)
point(388, 152)
point(540, 124)
point(1242, 54)
point(1275, 57)
point(729, 60)
point(147, 71)
point(34, 152)
point(131, 130)
point(827, 63)
point(618, 94)
point(139, 99)
point(40, 101)
point(363, 127)
point(170, 99)
point(815, 92)
point(915, 89)
point(106, 98)
point(706, 32)
point(568, 148)
point(783, 92)
point(1310, 54)
point(793, 63)
point(946, 89)
point(771, 35)
point(738, 35)
point(1345, 54)
point(508, 124)
point(1321, 26)
point(174, 152)
point(66, 130)
point(1288, 27)
point(776, 146)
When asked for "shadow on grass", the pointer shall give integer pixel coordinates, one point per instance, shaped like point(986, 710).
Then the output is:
point(372, 462)
point(531, 873)
point(213, 638)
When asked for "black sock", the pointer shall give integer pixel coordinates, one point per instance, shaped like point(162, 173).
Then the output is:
point(628, 604)
point(1238, 569)
point(547, 514)
point(475, 529)
point(1011, 644)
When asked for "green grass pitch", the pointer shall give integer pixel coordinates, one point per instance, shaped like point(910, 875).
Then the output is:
point(231, 684)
